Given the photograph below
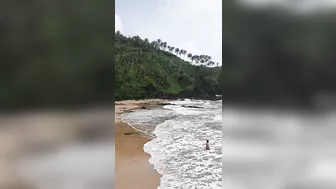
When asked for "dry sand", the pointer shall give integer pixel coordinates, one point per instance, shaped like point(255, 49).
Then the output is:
point(132, 169)
point(41, 134)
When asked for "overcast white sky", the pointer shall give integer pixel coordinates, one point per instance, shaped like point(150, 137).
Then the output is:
point(193, 25)
point(301, 5)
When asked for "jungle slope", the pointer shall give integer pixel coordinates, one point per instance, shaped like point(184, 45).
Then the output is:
point(154, 69)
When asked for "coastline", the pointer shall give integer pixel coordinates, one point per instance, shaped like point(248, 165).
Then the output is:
point(132, 168)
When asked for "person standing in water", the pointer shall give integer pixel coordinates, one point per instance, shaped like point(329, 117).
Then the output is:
point(207, 145)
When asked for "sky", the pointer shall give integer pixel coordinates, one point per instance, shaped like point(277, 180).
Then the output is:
point(299, 5)
point(193, 25)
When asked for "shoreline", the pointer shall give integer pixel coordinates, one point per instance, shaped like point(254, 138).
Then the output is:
point(132, 168)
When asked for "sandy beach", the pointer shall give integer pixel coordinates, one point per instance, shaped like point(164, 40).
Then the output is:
point(40, 146)
point(36, 149)
point(132, 169)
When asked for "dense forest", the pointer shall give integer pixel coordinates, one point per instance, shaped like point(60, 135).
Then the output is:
point(154, 69)
point(58, 53)
point(55, 53)
point(276, 54)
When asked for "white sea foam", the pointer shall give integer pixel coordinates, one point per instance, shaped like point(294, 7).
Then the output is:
point(278, 150)
point(146, 120)
point(218, 118)
point(78, 166)
point(177, 150)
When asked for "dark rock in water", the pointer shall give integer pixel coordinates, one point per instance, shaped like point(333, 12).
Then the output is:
point(164, 104)
point(184, 106)
point(143, 107)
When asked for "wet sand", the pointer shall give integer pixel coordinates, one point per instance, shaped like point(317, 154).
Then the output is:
point(132, 169)
point(57, 149)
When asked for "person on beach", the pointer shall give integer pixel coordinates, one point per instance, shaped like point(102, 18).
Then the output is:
point(207, 145)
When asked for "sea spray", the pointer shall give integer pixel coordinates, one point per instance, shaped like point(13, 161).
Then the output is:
point(178, 146)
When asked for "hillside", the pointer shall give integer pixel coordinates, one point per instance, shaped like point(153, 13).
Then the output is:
point(271, 55)
point(55, 54)
point(145, 69)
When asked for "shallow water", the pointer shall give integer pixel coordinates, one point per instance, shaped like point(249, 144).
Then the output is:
point(272, 149)
point(78, 166)
point(178, 148)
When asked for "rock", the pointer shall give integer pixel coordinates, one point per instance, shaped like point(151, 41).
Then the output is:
point(164, 103)
point(184, 106)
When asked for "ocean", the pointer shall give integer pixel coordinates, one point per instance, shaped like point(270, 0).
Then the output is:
point(76, 166)
point(179, 133)
point(279, 149)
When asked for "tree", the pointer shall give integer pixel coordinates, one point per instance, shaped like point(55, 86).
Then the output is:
point(159, 41)
point(190, 56)
point(148, 73)
point(177, 50)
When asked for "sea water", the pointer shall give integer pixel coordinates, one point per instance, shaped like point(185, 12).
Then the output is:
point(278, 149)
point(77, 166)
point(179, 135)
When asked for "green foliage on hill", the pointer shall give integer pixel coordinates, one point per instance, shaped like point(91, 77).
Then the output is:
point(55, 53)
point(273, 54)
point(145, 69)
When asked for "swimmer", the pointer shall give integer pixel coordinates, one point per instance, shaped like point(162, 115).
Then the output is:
point(207, 145)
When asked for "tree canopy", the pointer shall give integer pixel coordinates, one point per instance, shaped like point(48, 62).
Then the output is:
point(271, 54)
point(55, 53)
point(155, 69)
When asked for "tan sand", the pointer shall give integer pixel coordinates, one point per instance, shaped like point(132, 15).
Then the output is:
point(35, 133)
point(39, 134)
point(132, 169)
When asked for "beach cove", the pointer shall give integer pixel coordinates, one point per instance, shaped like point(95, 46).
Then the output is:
point(132, 168)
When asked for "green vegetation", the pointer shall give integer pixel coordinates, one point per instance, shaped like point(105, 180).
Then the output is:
point(55, 53)
point(59, 53)
point(272, 55)
point(145, 69)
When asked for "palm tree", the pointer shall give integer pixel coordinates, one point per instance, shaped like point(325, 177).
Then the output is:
point(159, 42)
point(184, 52)
point(172, 49)
point(164, 45)
point(197, 59)
point(137, 40)
point(193, 58)
point(177, 50)
point(146, 42)
point(201, 58)
point(211, 63)
point(207, 58)
point(180, 52)
point(190, 56)
point(154, 44)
